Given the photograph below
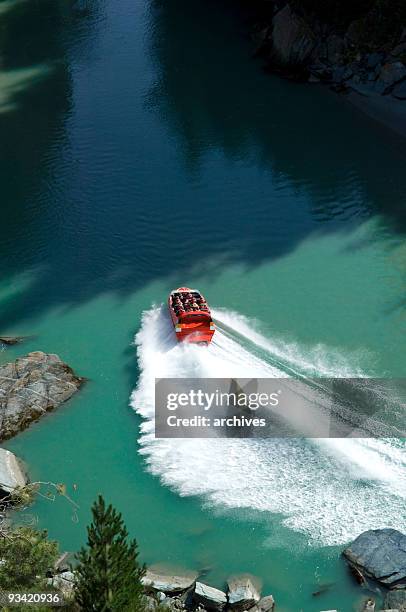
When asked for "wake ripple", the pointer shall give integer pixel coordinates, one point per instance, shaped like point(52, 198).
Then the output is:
point(328, 490)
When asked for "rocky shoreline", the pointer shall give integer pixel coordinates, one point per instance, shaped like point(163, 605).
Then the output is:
point(38, 382)
point(377, 559)
point(30, 386)
point(351, 59)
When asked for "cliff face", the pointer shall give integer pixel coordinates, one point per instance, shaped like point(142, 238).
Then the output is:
point(366, 54)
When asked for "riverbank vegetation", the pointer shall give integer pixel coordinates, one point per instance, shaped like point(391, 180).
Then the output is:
point(108, 574)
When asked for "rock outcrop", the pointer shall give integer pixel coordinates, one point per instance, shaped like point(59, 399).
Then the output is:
point(11, 473)
point(266, 604)
point(10, 340)
point(242, 593)
point(292, 39)
point(299, 45)
point(209, 597)
point(30, 386)
point(380, 554)
point(169, 583)
point(182, 591)
point(64, 583)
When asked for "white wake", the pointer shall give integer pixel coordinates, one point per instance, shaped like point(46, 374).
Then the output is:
point(329, 490)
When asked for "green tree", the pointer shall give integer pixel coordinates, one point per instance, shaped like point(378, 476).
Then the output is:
point(108, 572)
point(26, 556)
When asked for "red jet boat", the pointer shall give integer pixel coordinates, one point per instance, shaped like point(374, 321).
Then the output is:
point(191, 316)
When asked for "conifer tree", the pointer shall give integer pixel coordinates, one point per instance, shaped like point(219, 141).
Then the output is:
point(108, 572)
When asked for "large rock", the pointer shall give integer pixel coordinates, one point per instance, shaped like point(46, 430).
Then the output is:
point(30, 386)
point(396, 600)
point(209, 598)
point(266, 604)
point(399, 91)
point(65, 583)
point(392, 73)
point(369, 605)
point(169, 583)
point(292, 39)
point(242, 594)
point(11, 472)
point(380, 554)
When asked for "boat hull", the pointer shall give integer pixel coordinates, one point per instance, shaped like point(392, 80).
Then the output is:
point(190, 316)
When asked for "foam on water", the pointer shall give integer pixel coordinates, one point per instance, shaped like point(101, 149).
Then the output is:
point(330, 490)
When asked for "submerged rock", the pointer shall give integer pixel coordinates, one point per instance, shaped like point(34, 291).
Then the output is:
point(10, 340)
point(30, 386)
point(169, 583)
point(208, 597)
point(396, 600)
point(242, 594)
point(380, 554)
point(11, 473)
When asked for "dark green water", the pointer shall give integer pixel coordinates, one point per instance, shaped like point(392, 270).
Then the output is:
point(142, 148)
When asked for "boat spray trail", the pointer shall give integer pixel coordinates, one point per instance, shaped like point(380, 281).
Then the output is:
point(329, 490)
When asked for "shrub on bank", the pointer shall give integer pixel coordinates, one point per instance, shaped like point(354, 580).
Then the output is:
point(26, 556)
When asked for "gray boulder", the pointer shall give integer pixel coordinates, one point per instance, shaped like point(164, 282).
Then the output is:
point(392, 73)
point(369, 605)
point(399, 91)
point(266, 604)
point(292, 39)
point(149, 603)
point(242, 594)
point(173, 604)
point(30, 386)
point(64, 562)
point(380, 554)
point(11, 472)
point(169, 583)
point(65, 583)
point(208, 597)
point(396, 600)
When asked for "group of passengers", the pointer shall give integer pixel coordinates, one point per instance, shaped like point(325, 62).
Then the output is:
point(188, 302)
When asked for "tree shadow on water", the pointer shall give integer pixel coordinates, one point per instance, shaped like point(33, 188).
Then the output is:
point(266, 164)
point(213, 93)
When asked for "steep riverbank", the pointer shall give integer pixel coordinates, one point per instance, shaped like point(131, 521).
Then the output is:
point(155, 152)
point(362, 58)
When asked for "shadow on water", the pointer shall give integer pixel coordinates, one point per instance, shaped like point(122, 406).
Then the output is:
point(35, 97)
point(264, 163)
point(214, 91)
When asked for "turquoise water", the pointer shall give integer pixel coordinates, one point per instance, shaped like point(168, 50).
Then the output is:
point(142, 148)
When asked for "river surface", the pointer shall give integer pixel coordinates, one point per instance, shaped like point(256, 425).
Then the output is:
point(143, 148)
